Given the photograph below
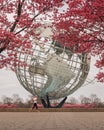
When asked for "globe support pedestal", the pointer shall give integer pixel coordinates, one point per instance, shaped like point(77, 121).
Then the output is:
point(46, 104)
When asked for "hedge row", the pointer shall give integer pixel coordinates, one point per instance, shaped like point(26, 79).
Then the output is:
point(53, 110)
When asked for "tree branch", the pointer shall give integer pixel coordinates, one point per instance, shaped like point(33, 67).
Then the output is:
point(19, 9)
point(2, 49)
point(43, 10)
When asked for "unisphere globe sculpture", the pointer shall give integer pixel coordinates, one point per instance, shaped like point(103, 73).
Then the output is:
point(52, 69)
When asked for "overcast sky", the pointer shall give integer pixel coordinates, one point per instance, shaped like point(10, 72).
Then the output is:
point(10, 85)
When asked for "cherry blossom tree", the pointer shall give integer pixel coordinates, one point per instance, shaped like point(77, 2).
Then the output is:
point(18, 20)
point(81, 29)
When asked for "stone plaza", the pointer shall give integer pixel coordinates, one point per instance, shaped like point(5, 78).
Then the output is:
point(51, 121)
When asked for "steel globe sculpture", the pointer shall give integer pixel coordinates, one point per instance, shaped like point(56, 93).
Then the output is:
point(51, 71)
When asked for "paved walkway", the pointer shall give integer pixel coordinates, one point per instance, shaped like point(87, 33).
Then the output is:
point(51, 121)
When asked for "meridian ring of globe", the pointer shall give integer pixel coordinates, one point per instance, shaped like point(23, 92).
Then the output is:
point(51, 69)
